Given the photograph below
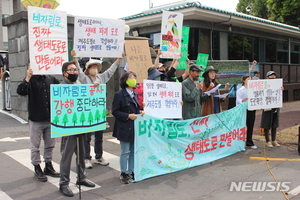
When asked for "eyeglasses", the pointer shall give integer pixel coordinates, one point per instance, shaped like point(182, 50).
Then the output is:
point(72, 70)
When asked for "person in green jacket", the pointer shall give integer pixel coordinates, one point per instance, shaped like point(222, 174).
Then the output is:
point(192, 94)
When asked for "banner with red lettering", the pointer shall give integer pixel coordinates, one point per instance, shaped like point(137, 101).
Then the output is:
point(48, 44)
point(166, 146)
point(98, 37)
point(264, 94)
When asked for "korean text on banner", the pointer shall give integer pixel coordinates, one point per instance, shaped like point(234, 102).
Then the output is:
point(166, 146)
point(98, 37)
point(171, 31)
point(264, 94)
point(163, 99)
point(48, 44)
point(77, 109)
point(138, 58)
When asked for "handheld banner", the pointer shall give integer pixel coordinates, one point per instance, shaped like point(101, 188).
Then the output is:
point(171, 30)
point(138, 58)
point(48, 44)
point(163, 99)
point(98, 37)
point(264, 94)
point(182, 64)
point(166, 146)
point(77, 109)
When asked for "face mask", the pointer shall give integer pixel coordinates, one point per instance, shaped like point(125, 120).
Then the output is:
point(72, 77)
point(93, 72)
point(131, 82)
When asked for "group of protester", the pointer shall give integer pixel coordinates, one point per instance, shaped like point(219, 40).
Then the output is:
point(127, 103)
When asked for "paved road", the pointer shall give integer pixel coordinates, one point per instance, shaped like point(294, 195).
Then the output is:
point(211, 181)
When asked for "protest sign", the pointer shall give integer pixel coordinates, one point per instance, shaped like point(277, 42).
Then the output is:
point(138, 58)
point(98, 37)
point(264, 94)
point(202, 60)
point(163, 99)
point(77, 109)
point(182, 64)
point(171, 30)
point(166, 146)
point(48, 44)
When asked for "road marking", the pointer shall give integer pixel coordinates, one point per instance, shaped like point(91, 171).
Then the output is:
point(14, 116)
point(295, 191)
point(23, 155)
point(114, 161)
point(273, 159)
point(9, 139)
point(4, 196)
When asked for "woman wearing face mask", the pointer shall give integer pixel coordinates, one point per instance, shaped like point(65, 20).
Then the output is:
point(213, 104)
point(124, 108)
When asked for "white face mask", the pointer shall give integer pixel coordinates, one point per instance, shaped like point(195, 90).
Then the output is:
point(93, 72)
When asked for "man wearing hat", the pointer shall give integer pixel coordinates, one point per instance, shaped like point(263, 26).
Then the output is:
point(270, 119)
point(192, 94)
point(213, 105)
point(92, 75)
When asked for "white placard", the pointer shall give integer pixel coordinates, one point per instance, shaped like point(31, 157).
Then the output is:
point(163, 99)
point(264, 94)
point(171, 33)
point(98, 37)
point(48, 44)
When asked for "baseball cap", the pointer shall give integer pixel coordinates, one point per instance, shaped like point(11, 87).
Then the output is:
point(269, 73)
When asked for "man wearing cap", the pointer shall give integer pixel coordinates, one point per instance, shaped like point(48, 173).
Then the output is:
point(270, 119)
point(192, 94)
point(92, 76)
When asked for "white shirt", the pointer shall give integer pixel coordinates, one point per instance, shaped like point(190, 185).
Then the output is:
point(240, 95)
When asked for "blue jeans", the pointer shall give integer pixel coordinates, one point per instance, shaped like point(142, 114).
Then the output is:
point(98, 147)
point(127, 157)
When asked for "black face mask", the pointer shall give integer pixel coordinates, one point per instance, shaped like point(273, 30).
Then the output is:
point(72, 77)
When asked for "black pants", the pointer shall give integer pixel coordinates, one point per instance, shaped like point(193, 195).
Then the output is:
point(250, 124)
point(98, 147)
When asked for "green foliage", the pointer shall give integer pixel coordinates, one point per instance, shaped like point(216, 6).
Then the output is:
point(82, 118)
point(284, 11)
point(56, 119)
point(91, 118)
point(97, 115)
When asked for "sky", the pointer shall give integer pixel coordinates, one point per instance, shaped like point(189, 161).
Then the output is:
point(115, 9)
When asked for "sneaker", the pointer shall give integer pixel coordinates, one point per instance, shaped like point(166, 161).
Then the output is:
point(275, 143)
point(101, 161)
point(124, 178)
point(131, 177)
point(269, 144)
point(88, 164)
point(253, 147)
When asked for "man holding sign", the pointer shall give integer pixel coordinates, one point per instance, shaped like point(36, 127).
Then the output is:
point(37, 87)
point(69, 143)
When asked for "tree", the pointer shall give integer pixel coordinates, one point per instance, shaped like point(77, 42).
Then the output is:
point(82, 118)
point(91, 118)
point(65, 119)
point(97, 116)
point(56, 119)
point(74, 118)
point(257, 8)
point(285, 11)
